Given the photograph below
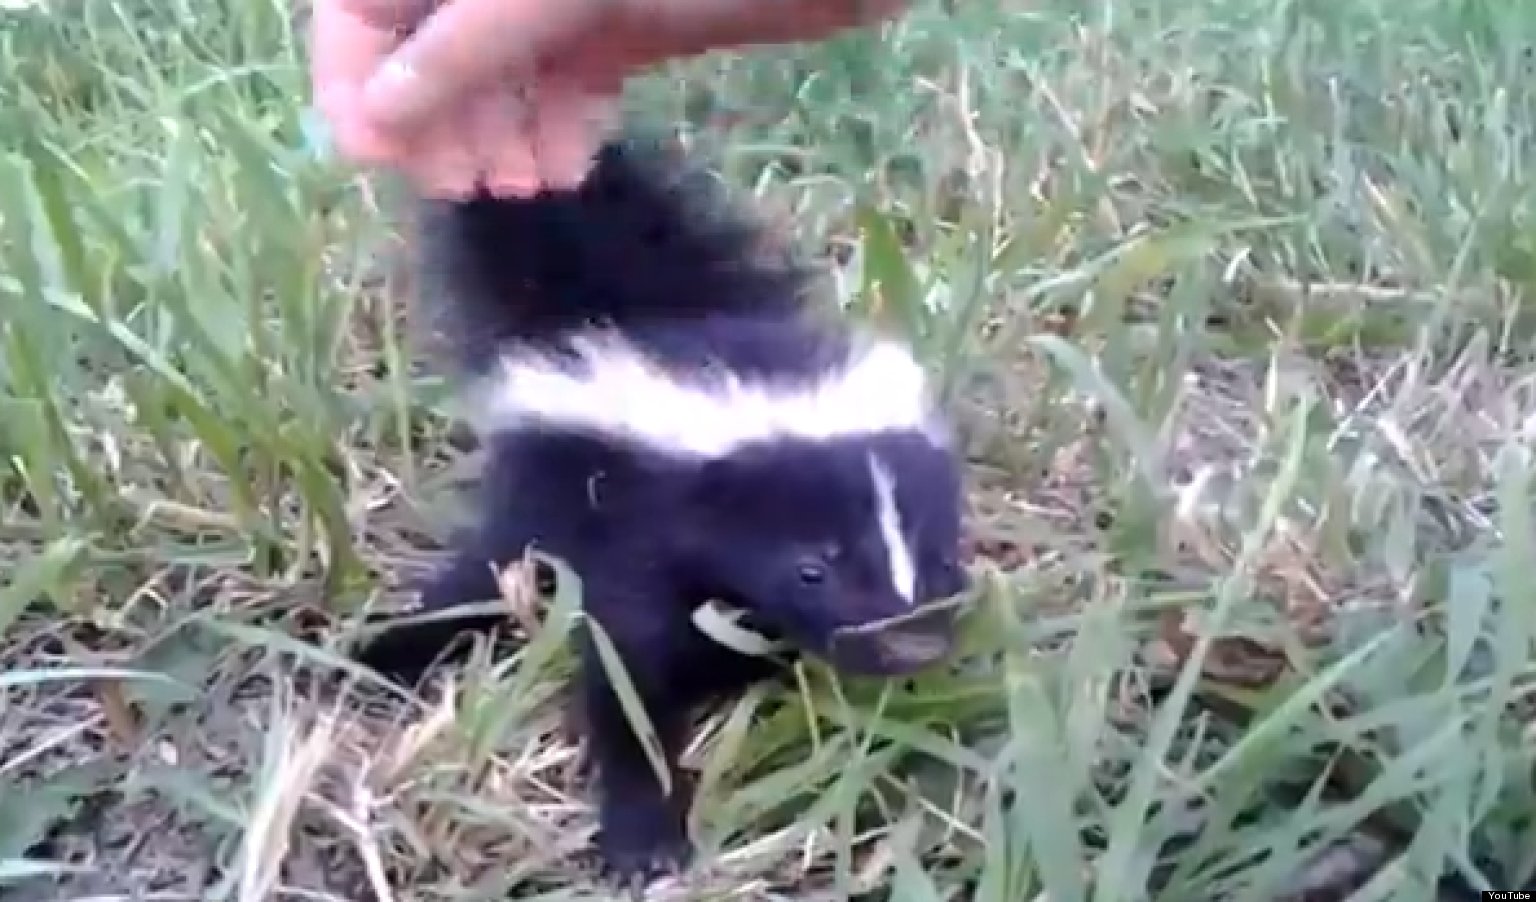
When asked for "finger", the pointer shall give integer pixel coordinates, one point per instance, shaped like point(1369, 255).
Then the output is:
point(503, 130)
point(468, 43)
point(570, 123)
point(448, 162)
point(346, 50)
point(391, 14)
point(638, 34)
point(689, 27)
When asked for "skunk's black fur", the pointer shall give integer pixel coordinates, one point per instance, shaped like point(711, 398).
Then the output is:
point(647, 246)
point(795, 529)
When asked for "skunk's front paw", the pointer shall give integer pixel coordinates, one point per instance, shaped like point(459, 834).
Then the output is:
point(642, 840)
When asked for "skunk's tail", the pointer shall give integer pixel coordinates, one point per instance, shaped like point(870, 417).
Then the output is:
point(642, 237)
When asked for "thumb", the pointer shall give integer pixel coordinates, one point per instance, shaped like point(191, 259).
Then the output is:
point(346, 51)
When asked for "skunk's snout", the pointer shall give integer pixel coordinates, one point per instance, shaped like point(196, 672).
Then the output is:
point(894, 647)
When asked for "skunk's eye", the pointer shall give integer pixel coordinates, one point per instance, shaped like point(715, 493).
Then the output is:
point(813, 573)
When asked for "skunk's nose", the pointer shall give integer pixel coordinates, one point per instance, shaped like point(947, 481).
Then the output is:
point(910, 650)
point(885, 649)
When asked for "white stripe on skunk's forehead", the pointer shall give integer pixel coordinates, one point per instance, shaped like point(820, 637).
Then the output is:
point(615, 390)
point(900, 564)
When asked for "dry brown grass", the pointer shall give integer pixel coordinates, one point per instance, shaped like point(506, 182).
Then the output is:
point(1241, 360)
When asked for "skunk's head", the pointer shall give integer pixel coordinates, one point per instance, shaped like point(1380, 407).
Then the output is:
point(825, 505)
point(840, 547)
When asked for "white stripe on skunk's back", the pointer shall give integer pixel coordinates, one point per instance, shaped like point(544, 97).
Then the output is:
point(616, 391)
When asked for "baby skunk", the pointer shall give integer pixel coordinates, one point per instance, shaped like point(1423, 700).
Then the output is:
point(665, 413)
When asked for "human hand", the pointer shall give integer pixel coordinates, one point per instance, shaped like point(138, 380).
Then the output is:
point(430, 105)
point(516, 95)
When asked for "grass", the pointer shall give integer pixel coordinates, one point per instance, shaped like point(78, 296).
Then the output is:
point(1231, 298)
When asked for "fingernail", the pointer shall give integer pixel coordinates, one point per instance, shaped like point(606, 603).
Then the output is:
point(568, 172)
point(513, 185)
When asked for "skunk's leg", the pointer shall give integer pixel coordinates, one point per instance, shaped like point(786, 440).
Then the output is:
point(643, 827)
point(405, 653)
